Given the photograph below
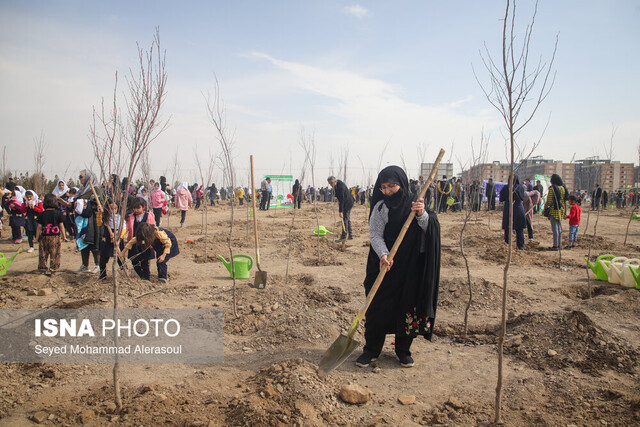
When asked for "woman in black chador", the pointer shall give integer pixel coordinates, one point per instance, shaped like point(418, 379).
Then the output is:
point(405, 304)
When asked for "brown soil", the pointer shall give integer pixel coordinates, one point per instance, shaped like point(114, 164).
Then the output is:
point(571, 357)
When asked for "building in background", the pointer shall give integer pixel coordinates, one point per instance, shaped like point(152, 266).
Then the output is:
point(579, 175)
point(443, 169)
point(499, 172)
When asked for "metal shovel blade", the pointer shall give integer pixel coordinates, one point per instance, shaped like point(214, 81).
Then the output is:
point(260, 281)
point(341, 348)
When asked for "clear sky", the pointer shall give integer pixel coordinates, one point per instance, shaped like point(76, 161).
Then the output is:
point(357, 75)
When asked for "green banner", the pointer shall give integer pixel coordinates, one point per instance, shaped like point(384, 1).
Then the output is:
point(285, 178)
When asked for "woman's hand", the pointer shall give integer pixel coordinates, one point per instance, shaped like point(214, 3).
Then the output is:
point(418, 207)
point(385, 263)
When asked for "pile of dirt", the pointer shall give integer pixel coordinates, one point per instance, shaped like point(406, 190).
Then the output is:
point(19, 381)
point(304, 313)
point(581, 292)
point(287, 393)
point(142, 405)
point(559, 340)
point(305, 245)
point(454, 295)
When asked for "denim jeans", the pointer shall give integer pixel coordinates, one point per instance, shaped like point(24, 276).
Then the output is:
point(556, 229)
point(573, 233)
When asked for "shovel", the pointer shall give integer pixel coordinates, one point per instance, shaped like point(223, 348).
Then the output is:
point(343, 346)
point(261, 276)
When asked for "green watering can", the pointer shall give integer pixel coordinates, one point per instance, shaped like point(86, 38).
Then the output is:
point(321, 231)
point(6, 263)
point(242, 263)
point(636, 275)
point(598, 269)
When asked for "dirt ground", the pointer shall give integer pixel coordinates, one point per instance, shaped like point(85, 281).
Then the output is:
point(569, 359)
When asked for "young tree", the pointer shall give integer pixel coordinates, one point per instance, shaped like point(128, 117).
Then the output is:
point(307, 142)
point(216, 113)
point(119, 138)
point(468, 210)
point(205, 172)
point(516, 89)
point(39, 156)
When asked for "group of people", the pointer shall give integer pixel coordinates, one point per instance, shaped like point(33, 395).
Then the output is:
point(559, 205)
point(92, 216)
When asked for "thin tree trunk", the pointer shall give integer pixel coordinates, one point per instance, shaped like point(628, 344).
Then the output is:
point(466, 263)
point(626, 234)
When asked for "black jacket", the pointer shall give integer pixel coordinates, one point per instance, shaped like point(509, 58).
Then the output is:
point(345, 201)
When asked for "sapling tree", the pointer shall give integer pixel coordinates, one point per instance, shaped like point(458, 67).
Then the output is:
point(307, 142)
point(516, 89)
point(296, 197)
point(205, 172)
point(217, 115)
point(468, 210)
point(120, 137)
point(39, 157)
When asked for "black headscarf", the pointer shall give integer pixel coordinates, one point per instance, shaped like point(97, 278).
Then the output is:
point(394, 175)
point(556, 183)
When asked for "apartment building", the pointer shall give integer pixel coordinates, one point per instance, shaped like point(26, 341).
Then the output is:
point(496, 170)
point(580, 175)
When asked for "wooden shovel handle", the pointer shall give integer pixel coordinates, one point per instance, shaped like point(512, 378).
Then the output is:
point(394, 249)
point(255, 220)
point(95, 194)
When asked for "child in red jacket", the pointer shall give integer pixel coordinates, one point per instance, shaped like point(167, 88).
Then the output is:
point(31, 208)
point(574, 221)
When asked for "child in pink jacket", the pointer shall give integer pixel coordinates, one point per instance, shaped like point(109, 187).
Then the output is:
point(157, 201)
point(183, 201)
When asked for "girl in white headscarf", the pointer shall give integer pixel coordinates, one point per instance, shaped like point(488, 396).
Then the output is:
point(60, 189)
point(13, 205)
point(142, 193)
point(31, 208)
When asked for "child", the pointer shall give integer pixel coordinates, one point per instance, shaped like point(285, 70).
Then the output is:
point(48, 235)
point(109, 221)
point(13, 205)
point(157, 202)
point(152, 238)
point(31, 208)
point(87, 234)
point(574, 221)
point(183, 201)
point(137, 217)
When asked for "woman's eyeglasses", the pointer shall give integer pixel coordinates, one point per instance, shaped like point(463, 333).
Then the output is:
point(384, 188)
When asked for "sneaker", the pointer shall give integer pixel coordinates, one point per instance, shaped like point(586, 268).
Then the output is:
point(341, 239)
point(350, 238)
point(17, 241)
point(82, 269)
point(531, 240)
point(96, 269)
point(406, 361)
point(365, 360)
point(163, 280)
point(29, 250)
point(568, 246)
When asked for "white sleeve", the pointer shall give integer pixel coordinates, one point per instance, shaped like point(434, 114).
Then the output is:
point(423, 220)
point(377, 223)
point(79, 206)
